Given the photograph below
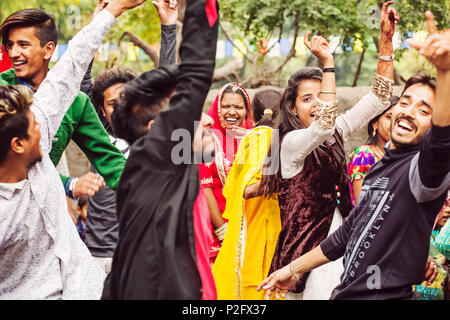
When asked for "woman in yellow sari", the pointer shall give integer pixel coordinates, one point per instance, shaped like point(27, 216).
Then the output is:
point(253, 219)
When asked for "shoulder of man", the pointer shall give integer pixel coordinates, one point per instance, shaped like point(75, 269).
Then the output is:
point(8, 77)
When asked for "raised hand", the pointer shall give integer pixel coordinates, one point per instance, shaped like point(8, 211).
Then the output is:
point(320, 47)
point(167, 11)
point(436, 48)
point(388, 19)
point(100, 6)
point(117, 7)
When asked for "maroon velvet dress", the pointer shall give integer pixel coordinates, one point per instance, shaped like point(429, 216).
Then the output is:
point(307, 203)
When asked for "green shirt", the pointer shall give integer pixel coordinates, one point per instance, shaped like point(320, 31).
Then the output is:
point(82, 125)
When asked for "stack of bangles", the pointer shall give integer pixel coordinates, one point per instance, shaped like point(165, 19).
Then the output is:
point(220, 232)
point(70, 188)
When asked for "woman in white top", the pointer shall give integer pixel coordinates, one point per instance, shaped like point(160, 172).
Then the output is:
point(312, 184)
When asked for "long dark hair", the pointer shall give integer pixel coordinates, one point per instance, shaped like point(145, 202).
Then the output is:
point(267, 98)
point(373, 139)
point(289, 122)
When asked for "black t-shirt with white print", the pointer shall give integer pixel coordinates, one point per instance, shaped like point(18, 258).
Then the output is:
point(385, 239)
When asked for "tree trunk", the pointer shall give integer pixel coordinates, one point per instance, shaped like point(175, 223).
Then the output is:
point(154, 56)
point(358, 70)
point(228, 70)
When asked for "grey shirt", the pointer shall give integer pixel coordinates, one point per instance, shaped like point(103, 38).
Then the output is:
point(102, 229)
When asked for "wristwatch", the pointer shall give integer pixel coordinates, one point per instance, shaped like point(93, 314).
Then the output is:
point(386, 58)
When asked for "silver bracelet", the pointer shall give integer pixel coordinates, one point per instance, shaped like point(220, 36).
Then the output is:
point(386, 58)
point(292, 272)
point(328, 92)
point(72, 187)
point(221, 231)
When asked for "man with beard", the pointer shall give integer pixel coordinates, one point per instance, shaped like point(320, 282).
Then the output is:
point(161, 250)
point(385, 239)
point(41, 254)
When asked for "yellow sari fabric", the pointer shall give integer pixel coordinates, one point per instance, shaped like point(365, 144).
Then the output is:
point(253, 225)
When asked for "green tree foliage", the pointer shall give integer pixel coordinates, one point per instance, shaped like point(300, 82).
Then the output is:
point(356, 22)
point(72, 15)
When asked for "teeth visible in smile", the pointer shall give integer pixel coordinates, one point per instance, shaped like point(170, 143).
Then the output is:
point(19, 63)
point(231, 119)
point(404, 125)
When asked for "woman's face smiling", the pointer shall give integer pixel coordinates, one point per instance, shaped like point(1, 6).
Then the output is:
point(305, 104)
point(232, 110)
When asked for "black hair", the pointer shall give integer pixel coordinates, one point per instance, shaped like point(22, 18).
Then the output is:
point(15, 102)
point(45, 27)
point(231, 88)
point(373, 139)
point(289, 122)
point(420, 78)
point(107, 79)
point(141, 102)
point(266, 98)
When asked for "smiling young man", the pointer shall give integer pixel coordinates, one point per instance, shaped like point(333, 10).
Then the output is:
point(30, 37)
point(385, 239)
point(41, 254)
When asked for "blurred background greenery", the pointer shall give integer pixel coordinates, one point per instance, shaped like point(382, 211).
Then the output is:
point(249, 24)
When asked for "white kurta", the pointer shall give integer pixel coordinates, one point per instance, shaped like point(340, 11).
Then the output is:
point(41, 254)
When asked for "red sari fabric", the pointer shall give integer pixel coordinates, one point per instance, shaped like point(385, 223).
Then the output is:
point(203, 241)
point(5, 63)
point(213, 175)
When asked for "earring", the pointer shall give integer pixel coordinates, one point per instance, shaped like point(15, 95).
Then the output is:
point(374, 132)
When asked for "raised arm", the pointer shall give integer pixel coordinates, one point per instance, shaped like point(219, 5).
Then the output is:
point(62, 84)
point(430, 171)
point(298, 144)
point(168, 15)
point(436, 49)
point(198, 53)
point(380, 95)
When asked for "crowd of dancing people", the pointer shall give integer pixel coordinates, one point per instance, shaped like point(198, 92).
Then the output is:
point(254, 199)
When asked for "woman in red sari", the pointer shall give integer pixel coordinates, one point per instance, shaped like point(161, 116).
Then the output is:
point(231, 112)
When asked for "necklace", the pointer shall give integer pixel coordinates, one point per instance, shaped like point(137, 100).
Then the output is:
point(381, 152)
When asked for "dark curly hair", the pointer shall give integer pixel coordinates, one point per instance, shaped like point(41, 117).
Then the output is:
point(141, 102)
point(105, 80)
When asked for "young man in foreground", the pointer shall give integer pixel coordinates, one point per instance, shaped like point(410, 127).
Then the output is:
point(385, 240)
point(41, 254)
